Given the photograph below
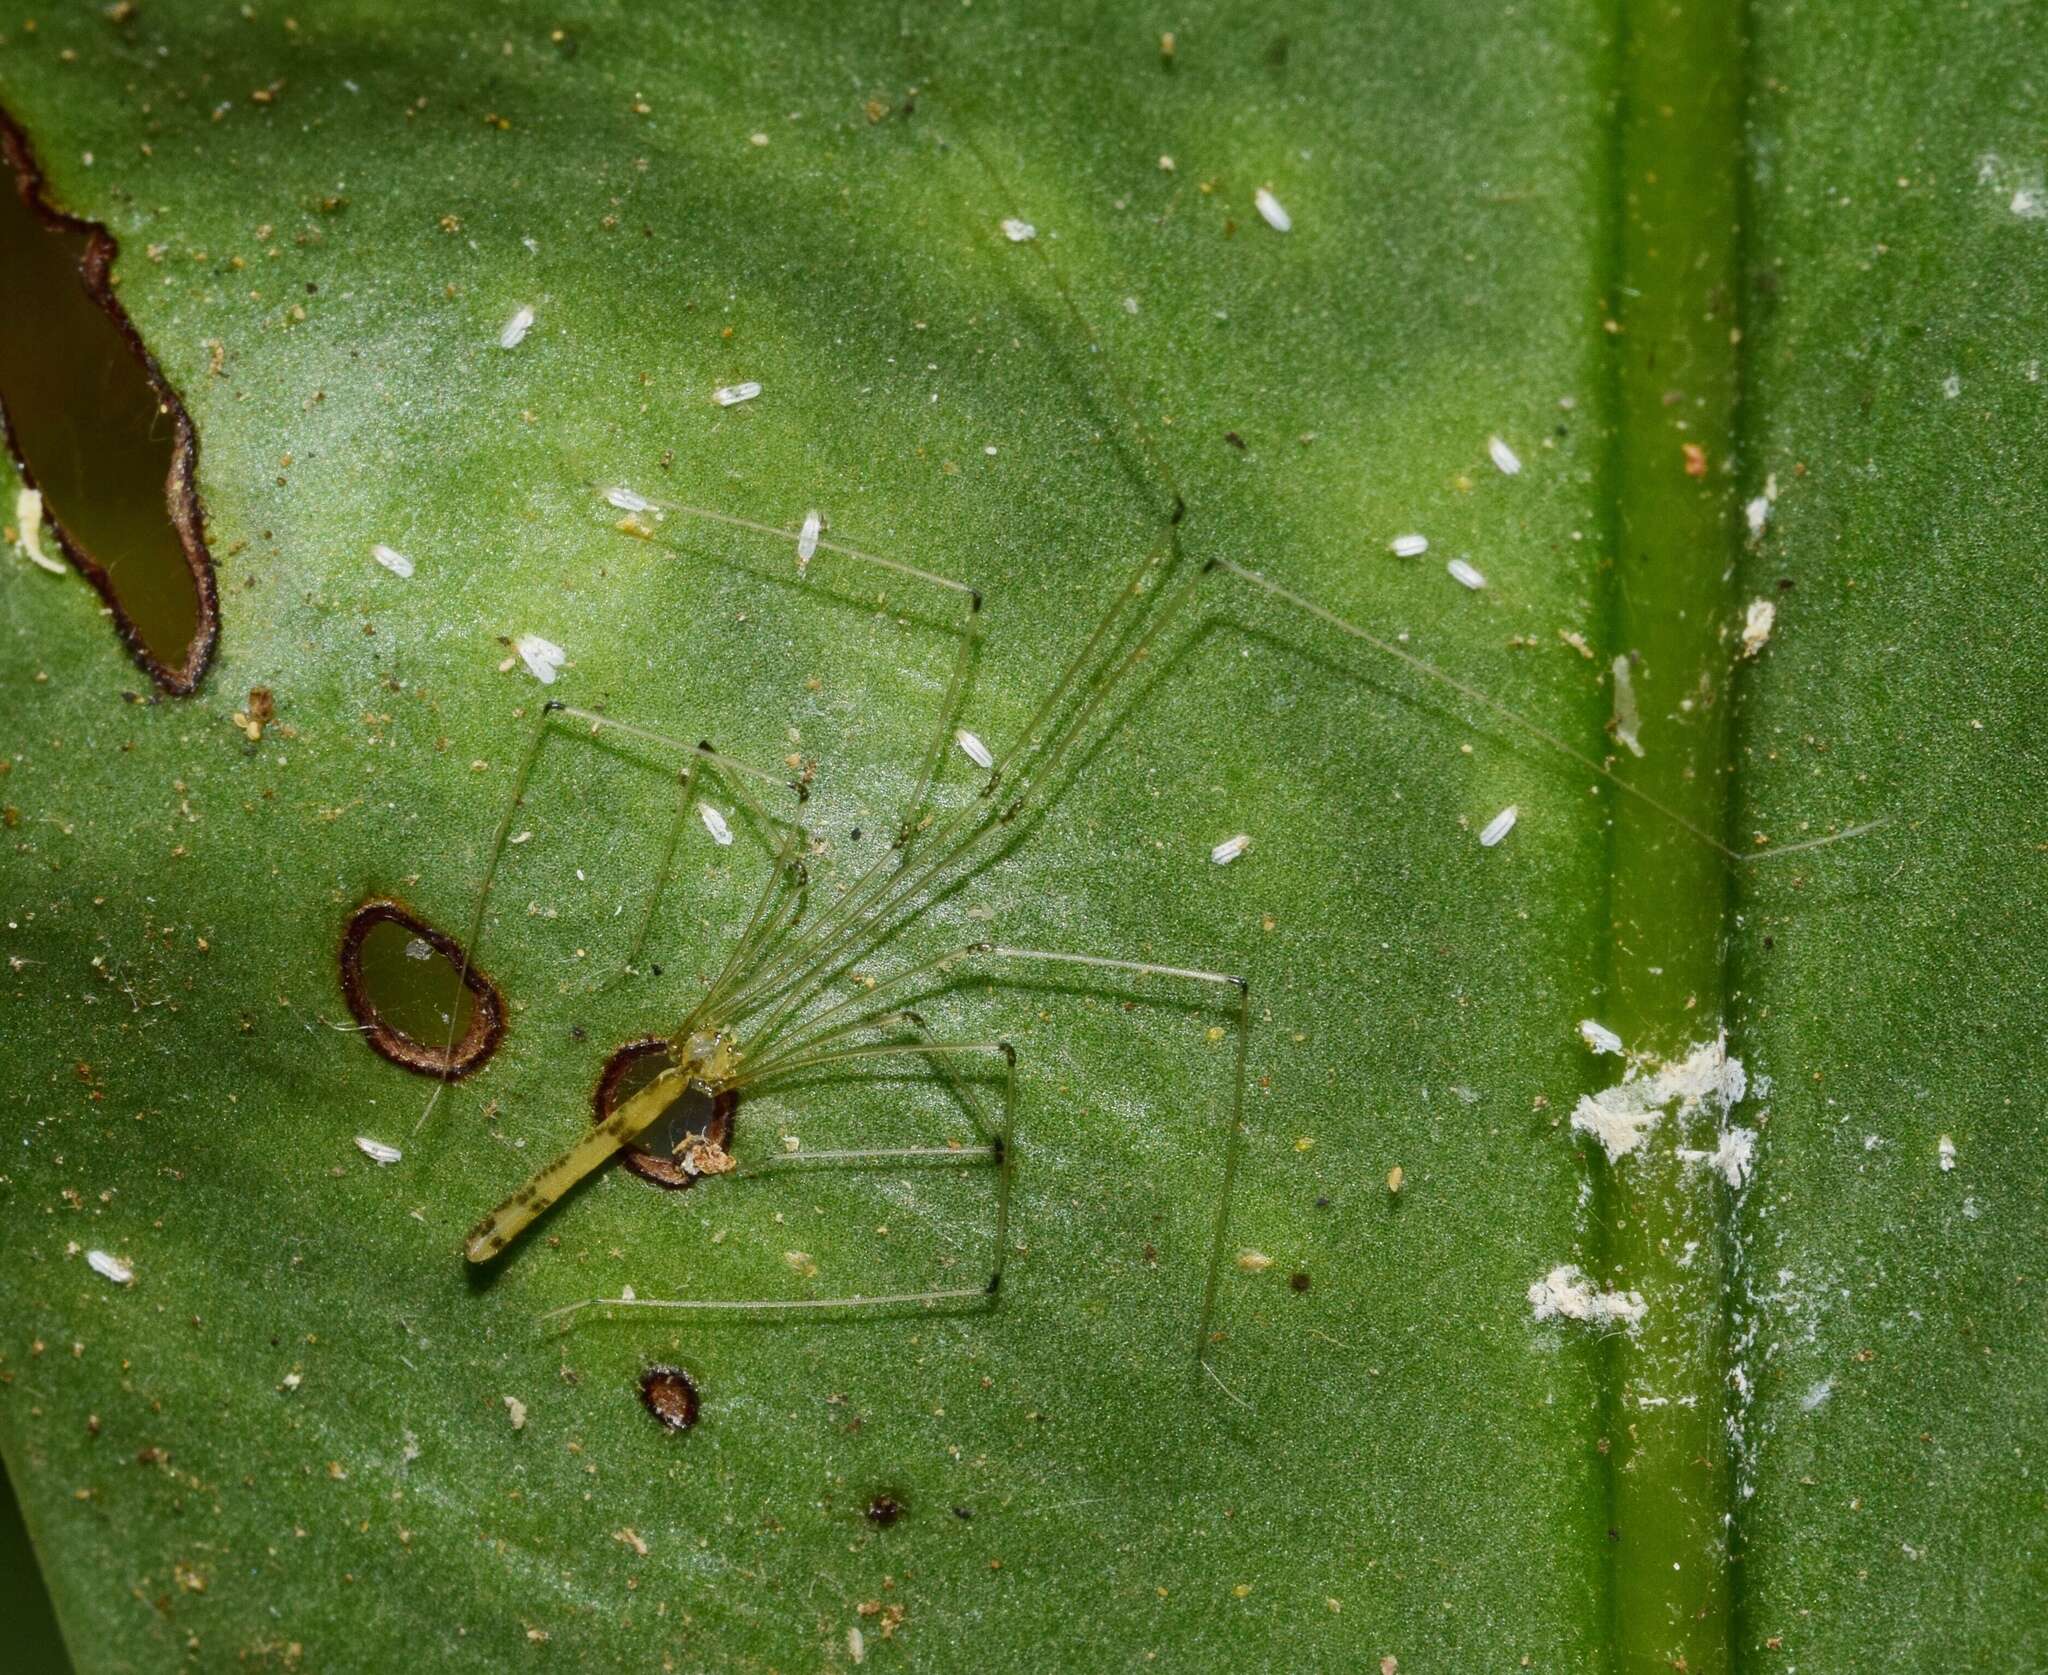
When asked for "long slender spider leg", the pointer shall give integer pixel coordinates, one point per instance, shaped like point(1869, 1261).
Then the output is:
point(976, 814)
point(996, 1153)
point(844, 551)
point(472, 942)
point(828, 938)
point(668, 859)
point(785, 867)
point(738, 774)
point(971, 599)
point(832, 957)
point(1153, 453)
point(1233, 1139)
point(758, 1041)
point(1233, 1142)
point(768, 940)
point(1464, 689)
point(545, 1187)
point(909, 824)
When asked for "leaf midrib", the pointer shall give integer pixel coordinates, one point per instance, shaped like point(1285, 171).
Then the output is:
point(1672, 314)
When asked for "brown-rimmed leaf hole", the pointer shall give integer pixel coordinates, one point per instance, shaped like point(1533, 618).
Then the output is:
point(671, 1396)
point(96, 429)
point(653, 1156)
point(398, 974)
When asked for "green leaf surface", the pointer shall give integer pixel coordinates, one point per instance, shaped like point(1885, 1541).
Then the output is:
point(1807, 240)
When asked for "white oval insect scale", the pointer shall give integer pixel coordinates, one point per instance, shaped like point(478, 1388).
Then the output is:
point(515, 329)
point(392, 559)
point(1463, 573)
point(1599, 1037)
point(1499, 826)
point(1272, 211)
point(731, 395)
point(715, 824)
point(110, 1267)
point(977, 752)
point(1230, 848)
point(1408, 546)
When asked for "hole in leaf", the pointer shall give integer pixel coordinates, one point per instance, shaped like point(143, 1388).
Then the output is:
point(98, 432)
point(398, 973)
point(657, 1156)
point(671, 1396)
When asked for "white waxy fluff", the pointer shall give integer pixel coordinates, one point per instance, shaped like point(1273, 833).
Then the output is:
point(1018, 232)
point(1409, 546)
point(516, 329)
point(392, 559)
point(977, 752)
point(1732, 1158)
point(1757, 623)
point(1757, 513)
point(376, 1151)
point(627, 501)
point(1464, 574)
point(714, 823)
point(543, 658)
point(1272, 211)
point(1499, 826)
point(1599, 1037)
point(807, 539)
point(1230, 848)
point(731, 395)
point(28, 530)
point(1946, 1150)
point(1627, 718)
point(1505, 459)
point(1566, 1294)
point(110, 1267)
point(1621, 1117)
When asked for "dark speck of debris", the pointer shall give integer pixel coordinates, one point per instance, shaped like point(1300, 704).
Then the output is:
point(884, 1510)
point(1785, 584)
point(1322, 1203)
point(1235, 440)
point(1298, 1282)
point(670, 1396)
point(576, 1032)
point(963, 1512)
point(856, 834)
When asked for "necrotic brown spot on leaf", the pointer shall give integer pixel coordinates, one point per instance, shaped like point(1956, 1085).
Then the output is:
point(94, 427)
point(670, 1396)
point(654, 1156)
point(399, 974)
